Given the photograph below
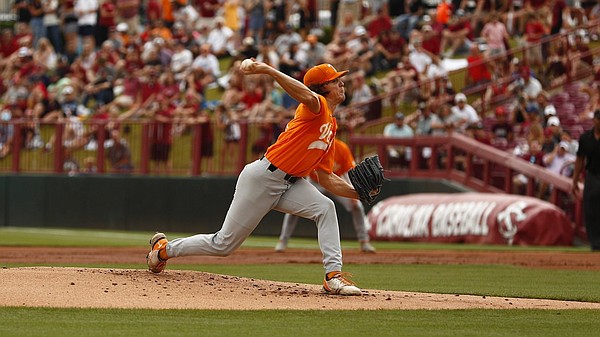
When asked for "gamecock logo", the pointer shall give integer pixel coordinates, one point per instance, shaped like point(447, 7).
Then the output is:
point(509, 218)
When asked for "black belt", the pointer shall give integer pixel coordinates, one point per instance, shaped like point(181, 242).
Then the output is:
point(289, 178)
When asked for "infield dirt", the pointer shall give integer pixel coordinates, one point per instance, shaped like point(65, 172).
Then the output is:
point(177, 289)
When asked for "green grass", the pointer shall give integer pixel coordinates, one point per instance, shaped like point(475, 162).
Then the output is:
point(282, 323)
point(484, 280)
point(24, 236)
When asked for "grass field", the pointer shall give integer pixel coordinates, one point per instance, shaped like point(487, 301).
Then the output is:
point(490, 280)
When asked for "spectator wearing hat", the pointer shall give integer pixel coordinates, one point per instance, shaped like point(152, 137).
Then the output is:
point(312, 51)
point(502, 128)
point(464, 110)
point(568, 138)
point(248, 49)
point(554, 125)
point(398, 129)
point(557, 162)
point(588, 158)
point(221, 38)
point(550, 140)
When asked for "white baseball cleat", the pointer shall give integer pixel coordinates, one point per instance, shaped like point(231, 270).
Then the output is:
point(366, 247)
point(281, 246)
point(338, 284)
point(157, 243)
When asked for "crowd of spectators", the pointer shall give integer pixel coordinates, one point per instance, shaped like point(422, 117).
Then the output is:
point(155, 59)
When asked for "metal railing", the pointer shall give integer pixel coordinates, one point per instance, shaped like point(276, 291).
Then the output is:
point(478, 166)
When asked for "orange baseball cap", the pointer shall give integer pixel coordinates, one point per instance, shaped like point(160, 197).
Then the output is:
point(322, 73)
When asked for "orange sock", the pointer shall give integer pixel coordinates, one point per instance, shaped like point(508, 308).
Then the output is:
point(162, 254)
point(331, 274)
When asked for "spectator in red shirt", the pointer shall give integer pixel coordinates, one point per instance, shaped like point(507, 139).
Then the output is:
point(8, 44)
point(477, 71)
point(161, 135)
point(458, 33)
point(390, 47)
point(149, 87)
point(381, 23)
point(533, 34)
point(106, 20)
point(432, 37)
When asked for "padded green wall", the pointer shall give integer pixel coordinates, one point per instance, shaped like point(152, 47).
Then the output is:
point(195, 205)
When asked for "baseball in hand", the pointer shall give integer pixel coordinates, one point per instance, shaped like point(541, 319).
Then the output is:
point(246, 64)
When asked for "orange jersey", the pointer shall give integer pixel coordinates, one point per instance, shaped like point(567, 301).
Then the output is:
point(343, 160)
point(307, 142)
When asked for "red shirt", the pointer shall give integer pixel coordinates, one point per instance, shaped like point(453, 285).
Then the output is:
point(107, 20)
point(161, 131)
point(252, 97)
point(149, 88)
point(379, 24)
point(534, 31)
point(206, 8)
point(153, 10)
point(392, 45)
point(463, 24)
point(8, 47)
point(478, 72)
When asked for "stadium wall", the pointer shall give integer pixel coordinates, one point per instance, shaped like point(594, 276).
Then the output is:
point(170, 204)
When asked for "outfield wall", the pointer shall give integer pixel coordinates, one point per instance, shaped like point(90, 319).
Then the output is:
point(168, 204)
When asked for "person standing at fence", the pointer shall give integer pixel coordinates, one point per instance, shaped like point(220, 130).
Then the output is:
point(588, 156)
point(343, 162)
point(276, 181)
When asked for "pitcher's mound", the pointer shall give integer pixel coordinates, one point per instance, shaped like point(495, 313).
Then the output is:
point(172, 289)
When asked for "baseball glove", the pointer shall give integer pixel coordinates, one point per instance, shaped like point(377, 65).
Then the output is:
point(367, 178)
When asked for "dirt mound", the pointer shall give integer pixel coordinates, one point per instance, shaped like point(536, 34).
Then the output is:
point(134, 288)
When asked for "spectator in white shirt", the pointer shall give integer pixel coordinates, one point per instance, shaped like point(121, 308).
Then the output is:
point(287, 38)
point(220, 38)
point(464, 110)
point(181, 60)
point(87, 15)
point(557, 162)
point(208, 62)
